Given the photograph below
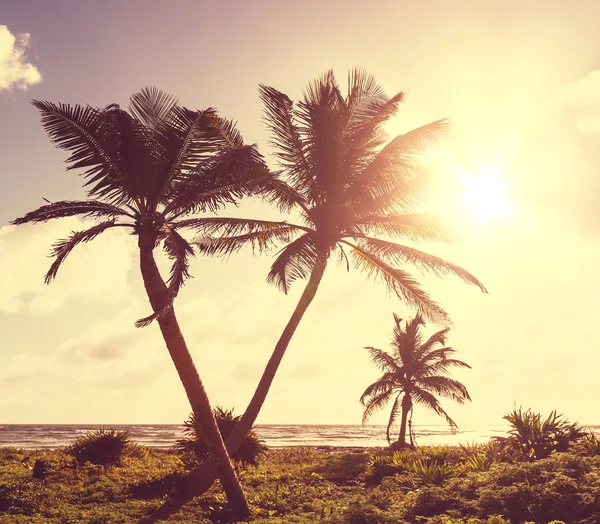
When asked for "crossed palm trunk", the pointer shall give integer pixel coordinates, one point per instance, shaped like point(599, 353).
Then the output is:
point(158, 294)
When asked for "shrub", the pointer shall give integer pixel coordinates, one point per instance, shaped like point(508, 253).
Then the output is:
point(378, 467)
point(435, 473)
point(103, 447)
point(194, 448)
point(537, 437)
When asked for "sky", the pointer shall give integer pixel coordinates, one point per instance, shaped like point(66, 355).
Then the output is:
point(520, 84)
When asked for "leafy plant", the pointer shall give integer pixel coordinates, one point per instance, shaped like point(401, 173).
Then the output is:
point(248, 453)
point(591, 444)
point(436, 454)
point(104, 447)
point(537, 437)
point(432, 472)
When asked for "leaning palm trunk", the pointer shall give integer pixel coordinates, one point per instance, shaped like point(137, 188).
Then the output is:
point(158, 295)
point(200, 479)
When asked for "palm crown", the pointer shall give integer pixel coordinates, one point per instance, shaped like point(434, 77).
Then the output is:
point(346, 185)
point(413, 373)
point(148, 169)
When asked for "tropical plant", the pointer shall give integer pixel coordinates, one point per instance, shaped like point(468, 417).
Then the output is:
point(148, 170)
point(431, 472)
point(536, 437)
point(248, 453)
point(413, 373)
point(348, 188)
point(104, 447)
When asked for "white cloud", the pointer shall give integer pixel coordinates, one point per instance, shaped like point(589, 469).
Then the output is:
point(98, 270)
point(15, 71)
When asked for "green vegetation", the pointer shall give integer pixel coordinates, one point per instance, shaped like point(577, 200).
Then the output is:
point(491, 483)
point(194, 448)
point(103, 447)
point(355, 196)
point(414, 374)
point(537, 437)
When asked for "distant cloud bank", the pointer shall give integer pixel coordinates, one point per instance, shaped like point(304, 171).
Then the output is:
point(15, 71)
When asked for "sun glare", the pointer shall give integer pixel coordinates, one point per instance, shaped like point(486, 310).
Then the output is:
point(485, 196)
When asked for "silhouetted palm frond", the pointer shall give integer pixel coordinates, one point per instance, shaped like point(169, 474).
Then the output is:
point(152, 107)
point(62, 248)
point(179, 250)
point(69, 208)
point(399, 282)
point(398, 254)
point(416, 227)
point(259, 240)
point(296, 260)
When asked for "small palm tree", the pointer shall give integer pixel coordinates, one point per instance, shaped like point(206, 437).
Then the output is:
point(148, 170)
point(413, 374)
point(248, 453)
point(351, 191)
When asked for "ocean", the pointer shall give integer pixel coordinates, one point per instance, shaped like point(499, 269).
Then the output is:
point(50, 436)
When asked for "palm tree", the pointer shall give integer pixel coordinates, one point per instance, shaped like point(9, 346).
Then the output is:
point(347, 187)
point(414, 374)
point(147, 170)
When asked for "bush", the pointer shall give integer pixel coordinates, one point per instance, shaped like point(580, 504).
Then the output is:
point(536, 437)
point(103, 447)
point(194, 448)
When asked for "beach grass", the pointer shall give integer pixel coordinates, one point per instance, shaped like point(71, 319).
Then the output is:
point(307, 485)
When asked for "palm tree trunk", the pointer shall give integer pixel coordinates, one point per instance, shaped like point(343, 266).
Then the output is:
point(406, 405)
point(200, 479)
point(158, 295)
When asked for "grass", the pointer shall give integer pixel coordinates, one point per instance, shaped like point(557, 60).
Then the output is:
point(301, 485)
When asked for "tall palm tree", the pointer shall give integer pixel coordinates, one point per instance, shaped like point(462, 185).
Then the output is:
point(147, 170)
point(352, 192)
point(414, 374)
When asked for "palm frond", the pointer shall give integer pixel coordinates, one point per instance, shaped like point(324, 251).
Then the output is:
point(229, 133)
point(399, 282)
point(278, 193)
point(381, 385)
point(382, 360)
point(414, 142)
point(285, 137)
point(69, 208)
point(190, 138)
point(375, 403)
point(62, 248)
point(225, 226)
point(152, 106)
point(296, 261)
point(437, 367)
point(83, 130)
point(445, 387)
point(416, 227)
point(393, 417)
point(221, 179)
point(420, 396)
point(260, 240)
point(398, 254)
point(322, 127)
point(387, 195)
point(439, 337)
point(179, 251)
point(362, 87)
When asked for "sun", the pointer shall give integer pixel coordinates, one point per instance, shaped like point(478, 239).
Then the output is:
point(485, 196)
